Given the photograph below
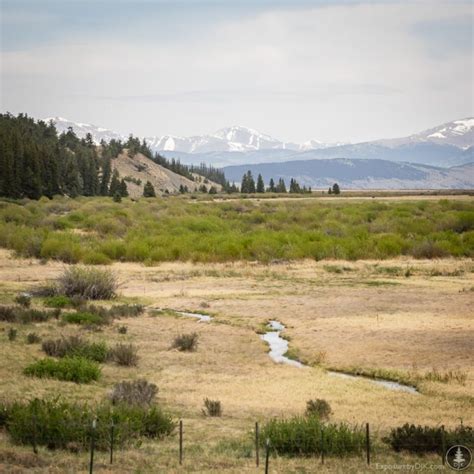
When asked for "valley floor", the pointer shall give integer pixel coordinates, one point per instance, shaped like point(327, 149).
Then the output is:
point(404, 316)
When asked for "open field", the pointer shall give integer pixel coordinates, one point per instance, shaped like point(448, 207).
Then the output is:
point(99, 231)
point(401, 315)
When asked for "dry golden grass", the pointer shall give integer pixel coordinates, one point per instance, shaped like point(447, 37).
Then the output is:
point(358, 314)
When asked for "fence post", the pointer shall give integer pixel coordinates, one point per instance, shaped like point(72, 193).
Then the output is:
point(35, 449)
point(367, 442)
point(112, 441)
point(322, 445)
point(181, 441)
point(267, 455)
point(91, 462)
point(443, 445)
point(257, 460)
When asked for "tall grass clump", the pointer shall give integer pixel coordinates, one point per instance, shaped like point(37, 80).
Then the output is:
point(58, 424)
point(76, 346)
point(69, 369)
point(318, 407)
point(87, 282)
point(212, 407)
point(186, 342)
point(308, 436)
point(124, 354)
point(138, 392)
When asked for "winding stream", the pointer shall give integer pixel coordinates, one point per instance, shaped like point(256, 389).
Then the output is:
point(279, 347)
point(202, 318)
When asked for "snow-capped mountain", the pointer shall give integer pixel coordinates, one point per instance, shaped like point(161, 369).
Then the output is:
point(82, 129)
point(459, 133)
point(447, 145)
point(227, 139)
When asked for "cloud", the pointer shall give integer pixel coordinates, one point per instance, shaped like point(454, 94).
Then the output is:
point(300, 72)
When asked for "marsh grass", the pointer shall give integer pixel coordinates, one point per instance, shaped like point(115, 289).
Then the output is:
point(308, 436)
point(239, 230)
point(58, 424)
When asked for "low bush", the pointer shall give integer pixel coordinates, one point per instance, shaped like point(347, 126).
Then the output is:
point(87, 282)
point(138, 392)
point(23, 299)
point(76, 346)
point(58, 424)
point(124, 354)
point(15, 314)
point(126, 310)
point(212, 407)
point(70, 369)
point(58, 301)
point(32, 338)
point(83, 318)
point(319, 408)
point(12, 333)
point(122, 330)
point(427, 439)
point(308, 436)
point(186, 342)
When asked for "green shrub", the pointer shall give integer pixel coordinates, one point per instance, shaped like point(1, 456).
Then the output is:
point(308, 435)
point(186, 342)
point(12, 333)
point(70, 369)
point(58, 424)
point(83, 318)
point(319, 408)
point(122, 329)
point(76, 346)
point(32, 338)
point(427, 439)
point(212, 407)
point(87, 282)
point(23, 299)
point(124, 354)
point(58, 301)
point(138, 392)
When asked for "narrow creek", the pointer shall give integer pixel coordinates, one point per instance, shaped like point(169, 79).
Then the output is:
point(279, 347)
point(202, 318)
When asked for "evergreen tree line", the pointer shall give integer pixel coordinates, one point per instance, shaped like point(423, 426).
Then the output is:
point(35, 161)
point(248, 185)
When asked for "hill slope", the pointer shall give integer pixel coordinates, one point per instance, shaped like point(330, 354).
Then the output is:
point(142, 168)
point(361, 174)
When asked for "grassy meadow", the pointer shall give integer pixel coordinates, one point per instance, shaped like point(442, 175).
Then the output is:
point(383, 288)
point(99, 231)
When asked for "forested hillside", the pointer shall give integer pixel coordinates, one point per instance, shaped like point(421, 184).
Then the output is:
point(36, 161)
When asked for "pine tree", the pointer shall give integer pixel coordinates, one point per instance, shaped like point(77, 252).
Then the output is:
point(123, 188)
point(114, 183)
point(117, 197)
point(149, 190)
point(271, 186)
point(336, 189)
point(260, 184)
point(330, 190)
point(244, 185)
point(281, 186)
point(105, 178)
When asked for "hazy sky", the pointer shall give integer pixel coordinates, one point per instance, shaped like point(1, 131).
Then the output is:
point(329, 70)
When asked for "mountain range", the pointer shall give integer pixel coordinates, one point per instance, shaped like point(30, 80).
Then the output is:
point(440, 157)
